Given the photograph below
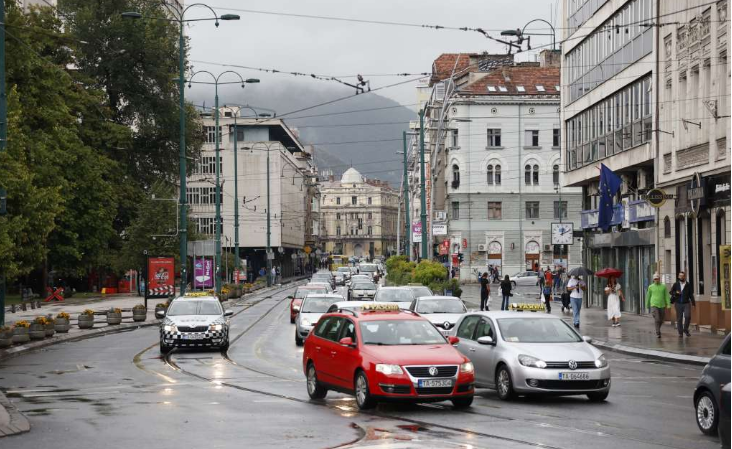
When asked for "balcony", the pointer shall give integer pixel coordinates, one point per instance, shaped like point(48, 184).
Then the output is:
point(589, 217)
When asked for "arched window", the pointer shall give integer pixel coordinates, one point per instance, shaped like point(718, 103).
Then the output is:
point(531, 175)
point(667, 228)
point(455, 176)
point(527, 175)
point(490, 175)
point(555, 175)
point(536, 175)
point(497, 176)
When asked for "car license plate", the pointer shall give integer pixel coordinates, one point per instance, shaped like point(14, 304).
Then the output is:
point(574, 376)
point(192, 337)
point(435, 383)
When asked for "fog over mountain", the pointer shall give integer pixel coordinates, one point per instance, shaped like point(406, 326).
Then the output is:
point(364, 130)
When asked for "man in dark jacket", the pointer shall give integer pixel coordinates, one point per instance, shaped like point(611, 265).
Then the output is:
point(485, 291)
point(682, 296)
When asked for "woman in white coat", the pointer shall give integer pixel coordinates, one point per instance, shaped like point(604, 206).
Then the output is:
point(614, 296)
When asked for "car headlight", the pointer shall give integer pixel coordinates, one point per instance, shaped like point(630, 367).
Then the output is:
point(216, 327)
point(601, 362)
point(305, 322)
point(533, 362)
point(466, 368)
point(170, 328)
point(296, 308)
point(389, 370)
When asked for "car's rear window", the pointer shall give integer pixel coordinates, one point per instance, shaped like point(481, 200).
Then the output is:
point(537, 330)
point(364, 286)
point(367, 268)
point(303, 292)
point(395, 295)
point(317, 304)
point(442, 305)
point(418, 292)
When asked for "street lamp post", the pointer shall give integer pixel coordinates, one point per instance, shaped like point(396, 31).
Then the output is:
point(217, 133)
point(183, 219)
point(521, 32)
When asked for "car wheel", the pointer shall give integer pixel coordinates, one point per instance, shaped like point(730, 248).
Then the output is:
point(462, 402)
point(707, 413)
point(598, 396)
point(298, 340)
point(504, 384)
point(315, 390)
point(364, 400)
point(224, 347)
point(164, 349)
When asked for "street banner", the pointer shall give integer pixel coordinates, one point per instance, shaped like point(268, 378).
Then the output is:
point(160, 277)
point(417, 232)
point(202, 274)
point(724, 274)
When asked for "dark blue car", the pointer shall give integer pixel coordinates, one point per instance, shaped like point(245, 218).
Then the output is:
point(708, 392)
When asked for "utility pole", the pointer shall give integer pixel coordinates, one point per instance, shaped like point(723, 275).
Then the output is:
point(217, 132)
point(3, 141)
point(181, 157)
point(236, 196)
point(269, 231)
point(407, 215)
point(423, 198)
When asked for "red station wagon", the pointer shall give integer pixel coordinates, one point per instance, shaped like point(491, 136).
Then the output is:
point(381, 353)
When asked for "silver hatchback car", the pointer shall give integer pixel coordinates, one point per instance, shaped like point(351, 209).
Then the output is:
point(520, 353)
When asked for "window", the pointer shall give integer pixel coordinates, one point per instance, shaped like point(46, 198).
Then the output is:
point(369, 230)
point(555, 175)
point(454, 138)
point(490, 175)
point(540, 88)
point(354, 200)
point(484, 329)
point(207, 166)
point(494, 210)
point(531, 138)
point(491, 88)
point(532, 209)
point(370, 216)
point(494, 137)
point(666, 228)
point(520, 88)
point(502, 88)
point(455, 176)
point(531, 175)
point(338, 200)
point(211, 134)
point(360, 223)
point(556, 137)
point(455, 210)
point(338, 230)
point(560, 209)
point(497, 176)
point(369, 200)
point(467, 327)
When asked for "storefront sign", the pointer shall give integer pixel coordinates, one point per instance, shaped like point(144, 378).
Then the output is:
point(656, 197)
point(439, 229)
point(724, 274)
point(696, 193)
point(718, 190)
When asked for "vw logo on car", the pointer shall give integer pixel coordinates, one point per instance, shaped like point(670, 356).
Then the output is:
point(433, 371)
point(572, 364)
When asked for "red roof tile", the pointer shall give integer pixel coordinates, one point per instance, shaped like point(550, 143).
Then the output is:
point(443, 66)
point(512, 76)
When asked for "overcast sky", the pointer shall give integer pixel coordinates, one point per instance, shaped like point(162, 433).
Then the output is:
point(339, 48)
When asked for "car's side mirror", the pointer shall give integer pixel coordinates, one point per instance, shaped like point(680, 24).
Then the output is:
point(290, 297)
point(160, 314)
point(228, 313)
point(347, 341)
point(453, 340)
point(587, 339)
point(487, 341)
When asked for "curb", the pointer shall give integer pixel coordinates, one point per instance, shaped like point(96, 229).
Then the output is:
point(62, 338)
point(18, 422)
point(652, 353)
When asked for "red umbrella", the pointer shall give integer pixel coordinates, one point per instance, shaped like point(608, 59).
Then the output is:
point(609, 273)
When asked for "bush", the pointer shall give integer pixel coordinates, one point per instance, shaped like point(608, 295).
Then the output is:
point(429, 273)
point(399, 270)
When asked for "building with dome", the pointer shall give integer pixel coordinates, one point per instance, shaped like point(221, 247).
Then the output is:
point(358, 216)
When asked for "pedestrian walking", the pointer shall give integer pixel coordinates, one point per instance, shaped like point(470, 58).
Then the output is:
point(548, 278)
point(505, 292)
point(452, 273)
point(658, 300)
point(614, 296)
point(273, 273)
point(576, 286)
point(540, 274)
point(682, 297)
point(548, 297)
point(485, 291)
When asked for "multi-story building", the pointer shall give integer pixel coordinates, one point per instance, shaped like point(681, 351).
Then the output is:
point(358, 216)
point(290, 189)
point(694, 151)
point(493, 133)
point(607, 118)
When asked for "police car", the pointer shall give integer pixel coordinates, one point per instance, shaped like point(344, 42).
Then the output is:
point(195, 320)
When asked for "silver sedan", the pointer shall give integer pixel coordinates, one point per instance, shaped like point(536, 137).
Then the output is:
point(531, 353)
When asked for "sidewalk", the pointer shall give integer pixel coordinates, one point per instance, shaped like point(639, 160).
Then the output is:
point(636, 336)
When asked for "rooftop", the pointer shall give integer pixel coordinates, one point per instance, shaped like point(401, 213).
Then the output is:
point(516, 80)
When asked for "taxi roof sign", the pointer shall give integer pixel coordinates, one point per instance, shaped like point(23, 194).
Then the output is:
point(197, 294)
point(520, 307)
point(380, 308)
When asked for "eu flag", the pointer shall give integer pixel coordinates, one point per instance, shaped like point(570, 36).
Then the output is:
point(609, 186)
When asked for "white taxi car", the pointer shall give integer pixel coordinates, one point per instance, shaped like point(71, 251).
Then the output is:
point(194, 321)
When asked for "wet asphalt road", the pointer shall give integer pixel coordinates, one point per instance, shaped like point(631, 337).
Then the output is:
point(117, 389)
